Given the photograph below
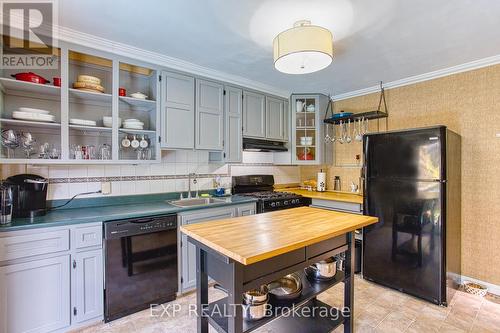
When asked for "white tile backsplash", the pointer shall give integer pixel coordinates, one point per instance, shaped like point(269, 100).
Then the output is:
point(142, 170)
point(95, 171)
point(173, 163)
point(38, 170)
point(142, 187)
point(127, 170)
point(158, 186)
point(58, 191)
point(112, 171)
point(181, 185)
point(78, 171)
point(192, 156)
point(76, 188)
point(58, 171)
point(127, 187)
point(181, 168)
point(181, 156)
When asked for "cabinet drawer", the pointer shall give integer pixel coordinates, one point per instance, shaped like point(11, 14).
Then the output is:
point(325, 246)
point(254, 271)
point(21, 246)
point(87, 236)
point(349, 207)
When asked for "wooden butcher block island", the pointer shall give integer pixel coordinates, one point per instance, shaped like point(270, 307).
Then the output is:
point(243, 253)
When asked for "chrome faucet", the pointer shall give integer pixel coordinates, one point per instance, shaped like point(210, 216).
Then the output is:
point(193, 175)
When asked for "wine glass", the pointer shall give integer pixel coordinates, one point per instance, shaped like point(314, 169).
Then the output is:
point(27, 143)
point(9, 141)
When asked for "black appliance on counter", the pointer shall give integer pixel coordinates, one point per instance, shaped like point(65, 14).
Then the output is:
point(412, 184)
point(29, 195)
point(140, 264)
point(261, 187)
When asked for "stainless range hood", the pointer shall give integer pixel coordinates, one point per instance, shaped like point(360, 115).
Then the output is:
point(263, 145)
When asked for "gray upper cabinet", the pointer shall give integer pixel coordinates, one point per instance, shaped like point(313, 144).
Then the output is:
point(177, 111)
point(233, 143)
point(209, 115)
point(254, 115)
point(42, 286)
point(275, 119)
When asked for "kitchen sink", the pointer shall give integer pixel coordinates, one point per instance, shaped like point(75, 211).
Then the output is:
point(197, 202)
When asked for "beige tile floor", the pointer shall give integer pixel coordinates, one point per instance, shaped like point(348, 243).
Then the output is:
point(377, 309)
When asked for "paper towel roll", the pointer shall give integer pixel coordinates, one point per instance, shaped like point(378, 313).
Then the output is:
point(321, 182)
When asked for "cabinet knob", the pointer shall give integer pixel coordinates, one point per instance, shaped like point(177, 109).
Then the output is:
point(74, 263)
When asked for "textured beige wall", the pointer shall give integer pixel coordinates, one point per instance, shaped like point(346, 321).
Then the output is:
point(469, 104)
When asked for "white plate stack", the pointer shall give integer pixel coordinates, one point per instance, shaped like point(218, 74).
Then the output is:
point(31, 114)
point(133, 124)
point(82, 122)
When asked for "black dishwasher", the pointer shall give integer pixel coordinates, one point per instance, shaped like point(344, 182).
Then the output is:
point(140, 264)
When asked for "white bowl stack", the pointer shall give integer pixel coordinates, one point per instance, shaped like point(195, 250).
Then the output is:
point(108, 121)
point(133, 124)
point(306, 140)
point(31, 114)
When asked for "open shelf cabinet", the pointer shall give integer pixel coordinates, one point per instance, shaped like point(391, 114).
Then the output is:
point(74, 142)
point(33, 140)
point(142, 111)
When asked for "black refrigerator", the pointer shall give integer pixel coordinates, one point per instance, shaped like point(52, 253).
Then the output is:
point(412, 184)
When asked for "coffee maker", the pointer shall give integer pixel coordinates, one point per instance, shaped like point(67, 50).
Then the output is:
point(29, 195)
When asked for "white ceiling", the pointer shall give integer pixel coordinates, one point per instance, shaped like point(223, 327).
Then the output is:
point(373, 40)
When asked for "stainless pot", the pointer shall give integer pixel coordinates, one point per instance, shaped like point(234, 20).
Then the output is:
point(286, 288)
point(324, 269)
point(256, 295)
point(255, 310)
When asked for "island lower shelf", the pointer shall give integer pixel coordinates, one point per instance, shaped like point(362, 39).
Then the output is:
point(280, 317)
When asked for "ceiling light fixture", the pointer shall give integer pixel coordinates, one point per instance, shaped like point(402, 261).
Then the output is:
point(303, 49)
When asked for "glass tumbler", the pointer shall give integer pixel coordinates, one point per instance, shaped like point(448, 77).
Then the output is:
point(5, 204)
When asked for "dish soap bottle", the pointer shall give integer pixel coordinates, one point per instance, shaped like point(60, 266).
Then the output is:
point(219, 190)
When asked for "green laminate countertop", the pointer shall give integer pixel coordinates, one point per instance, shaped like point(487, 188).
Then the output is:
point(114, 209)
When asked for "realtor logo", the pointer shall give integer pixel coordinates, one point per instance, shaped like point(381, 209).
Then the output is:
point(28, 34)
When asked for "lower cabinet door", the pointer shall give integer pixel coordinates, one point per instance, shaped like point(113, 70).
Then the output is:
point(245, 210)
point(35, 296)
point(87, 286)
point(188, 250)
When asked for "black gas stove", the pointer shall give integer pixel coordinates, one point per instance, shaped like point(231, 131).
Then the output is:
point(261, 188)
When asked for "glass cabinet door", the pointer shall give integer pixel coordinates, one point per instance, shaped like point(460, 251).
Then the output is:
point(306, 110)
point(137, 113)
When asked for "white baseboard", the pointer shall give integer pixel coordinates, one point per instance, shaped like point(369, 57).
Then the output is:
point(492, 288)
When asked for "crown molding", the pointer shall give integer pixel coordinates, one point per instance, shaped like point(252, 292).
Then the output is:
point(468, 66)
point(106, 45)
